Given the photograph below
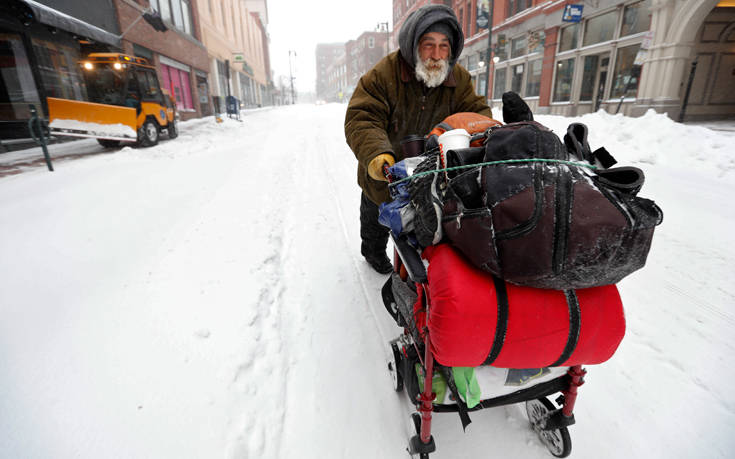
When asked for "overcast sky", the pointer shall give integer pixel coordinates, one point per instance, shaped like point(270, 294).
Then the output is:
point(299, 25)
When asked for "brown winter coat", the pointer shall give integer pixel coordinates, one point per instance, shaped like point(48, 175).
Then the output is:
point(389, 104)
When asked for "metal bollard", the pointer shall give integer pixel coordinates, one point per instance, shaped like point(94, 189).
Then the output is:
point(41, 139)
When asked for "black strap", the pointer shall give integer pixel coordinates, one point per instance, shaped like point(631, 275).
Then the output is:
point(604, 157)
point(501, 326)
point(574, 326)
point(462, 410)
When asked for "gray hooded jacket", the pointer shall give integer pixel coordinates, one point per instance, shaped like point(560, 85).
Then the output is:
point(420, 20)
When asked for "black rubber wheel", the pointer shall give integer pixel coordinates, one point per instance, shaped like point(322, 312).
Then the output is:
point(107, 143)
point(416, 418)
point(173, 129)
point(148, 134)
point(394, 368)
point(557, 441)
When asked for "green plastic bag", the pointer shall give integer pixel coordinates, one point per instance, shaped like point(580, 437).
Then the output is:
point(438, 384)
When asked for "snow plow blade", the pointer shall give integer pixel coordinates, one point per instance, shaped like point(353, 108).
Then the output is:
point(87, 119)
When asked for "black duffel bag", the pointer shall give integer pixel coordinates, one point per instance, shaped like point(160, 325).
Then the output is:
point(539, 218)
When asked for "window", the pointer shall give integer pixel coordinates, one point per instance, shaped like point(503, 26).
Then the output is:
point(177, 12)
point(536, 41)
point(636, 18)
point(371, 42)
point(499, 83)
point(17, 88)
point(516, 79)
point(533, 83)
point(626, 77)
point(516, 6)
point(568, 38)
point(563, 83)
point(589, 72)
point(600, 28)
point(518, 46)
point(60, 75)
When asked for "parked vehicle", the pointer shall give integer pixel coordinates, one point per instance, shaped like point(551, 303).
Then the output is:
point(126, 103)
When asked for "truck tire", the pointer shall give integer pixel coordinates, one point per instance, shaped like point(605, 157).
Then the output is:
point(148, 134)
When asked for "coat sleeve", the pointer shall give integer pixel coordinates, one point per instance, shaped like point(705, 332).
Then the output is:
point(468, 100)
point(368, 118)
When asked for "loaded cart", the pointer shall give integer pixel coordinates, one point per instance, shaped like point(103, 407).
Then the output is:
point(507, 255)
point(422, 359)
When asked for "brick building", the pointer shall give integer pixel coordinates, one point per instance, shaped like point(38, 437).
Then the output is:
point(620, 55)
point(178, 54)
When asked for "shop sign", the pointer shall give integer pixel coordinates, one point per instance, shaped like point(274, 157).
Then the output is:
point(572, 13)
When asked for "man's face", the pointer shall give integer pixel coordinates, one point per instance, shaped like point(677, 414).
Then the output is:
point(434, 46)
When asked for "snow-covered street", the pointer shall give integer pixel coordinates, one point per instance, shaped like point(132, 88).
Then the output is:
point(206, 298)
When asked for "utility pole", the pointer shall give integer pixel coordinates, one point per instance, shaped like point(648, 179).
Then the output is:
point(290, 71)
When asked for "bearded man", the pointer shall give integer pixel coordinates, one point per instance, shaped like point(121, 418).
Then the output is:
point(407, 93)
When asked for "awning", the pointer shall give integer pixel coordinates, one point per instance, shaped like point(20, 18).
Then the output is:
point(62, 21)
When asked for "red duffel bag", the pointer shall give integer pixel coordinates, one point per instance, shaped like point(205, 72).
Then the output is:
point(476, 319)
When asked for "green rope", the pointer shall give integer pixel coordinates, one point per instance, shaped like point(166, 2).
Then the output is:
point(493, 163)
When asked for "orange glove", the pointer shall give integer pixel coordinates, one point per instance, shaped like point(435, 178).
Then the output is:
point(375, 167)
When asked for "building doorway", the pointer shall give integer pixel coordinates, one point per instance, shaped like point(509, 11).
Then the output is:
point(594, 79)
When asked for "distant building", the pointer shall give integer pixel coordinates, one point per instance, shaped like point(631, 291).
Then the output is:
point(327, 55)
point(340, 65)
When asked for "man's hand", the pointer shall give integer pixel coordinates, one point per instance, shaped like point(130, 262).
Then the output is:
point(375, 168)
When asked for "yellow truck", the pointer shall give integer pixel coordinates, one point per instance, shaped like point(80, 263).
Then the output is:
point(126, 103)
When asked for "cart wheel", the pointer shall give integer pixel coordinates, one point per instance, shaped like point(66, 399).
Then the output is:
point(416, 419)
point(393, 368)
point(557, 441)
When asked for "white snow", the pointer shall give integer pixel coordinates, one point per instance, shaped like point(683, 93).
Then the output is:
point(207, 298)
point(113, 130)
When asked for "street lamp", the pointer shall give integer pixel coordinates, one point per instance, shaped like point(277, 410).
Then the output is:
point(290, 71)
point(383, 26)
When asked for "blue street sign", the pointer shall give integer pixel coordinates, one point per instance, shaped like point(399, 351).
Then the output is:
point(572, 13)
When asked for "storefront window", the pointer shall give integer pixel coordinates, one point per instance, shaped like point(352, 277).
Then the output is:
point(518, 46)
point(59, 71)
point(176, 82)
point(533, 82)
point(589, 72)
point(17, 88)
point(627, 75)
point(222, 78)
point(636, 18)
point(516, 80)
point(563, 82)
point(499, 83)
point(600, 28)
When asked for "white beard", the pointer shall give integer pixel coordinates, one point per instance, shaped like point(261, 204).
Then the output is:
point(432, 77)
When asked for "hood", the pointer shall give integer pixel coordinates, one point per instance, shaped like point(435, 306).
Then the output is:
point(420, 20)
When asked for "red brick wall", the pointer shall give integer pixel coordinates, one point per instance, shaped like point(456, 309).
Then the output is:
point(172, 44)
